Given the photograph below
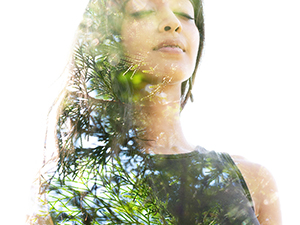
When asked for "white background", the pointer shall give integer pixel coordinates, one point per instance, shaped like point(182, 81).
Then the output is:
point(246, 92)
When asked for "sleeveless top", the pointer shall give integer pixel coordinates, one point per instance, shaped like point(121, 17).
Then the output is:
point(200, 187)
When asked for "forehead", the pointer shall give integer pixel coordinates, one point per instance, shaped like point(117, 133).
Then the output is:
point(141, 4)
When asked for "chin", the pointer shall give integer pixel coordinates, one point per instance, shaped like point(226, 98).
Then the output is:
point(166, 77)
point(175, 72)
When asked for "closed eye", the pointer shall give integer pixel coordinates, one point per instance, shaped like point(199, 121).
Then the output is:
point(184, 15)
point(141, 14)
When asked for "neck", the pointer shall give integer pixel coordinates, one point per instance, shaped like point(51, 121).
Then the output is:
point(160, 116)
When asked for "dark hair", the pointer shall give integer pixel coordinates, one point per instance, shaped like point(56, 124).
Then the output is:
point(94, 106)
point(96, 85)
point(186, 86)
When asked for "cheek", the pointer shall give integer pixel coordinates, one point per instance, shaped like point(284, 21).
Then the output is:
point(135, 38)
point(128, 34)
point(195, 41)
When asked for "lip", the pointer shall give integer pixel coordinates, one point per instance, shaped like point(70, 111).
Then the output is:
point(172, 46)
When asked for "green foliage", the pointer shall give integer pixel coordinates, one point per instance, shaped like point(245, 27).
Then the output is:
point(91, 184)
point(102, 175)
point(107, 196)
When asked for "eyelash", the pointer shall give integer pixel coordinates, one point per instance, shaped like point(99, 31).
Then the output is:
point(185, 15)
point(141, 14)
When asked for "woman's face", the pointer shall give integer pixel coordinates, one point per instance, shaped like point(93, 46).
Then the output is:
point(161, 38)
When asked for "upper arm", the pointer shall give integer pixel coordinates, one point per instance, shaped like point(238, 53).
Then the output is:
point(263, 189)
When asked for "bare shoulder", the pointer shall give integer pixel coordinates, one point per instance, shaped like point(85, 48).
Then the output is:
point(263, 189)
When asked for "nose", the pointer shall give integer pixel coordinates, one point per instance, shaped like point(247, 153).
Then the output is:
point(170, 23)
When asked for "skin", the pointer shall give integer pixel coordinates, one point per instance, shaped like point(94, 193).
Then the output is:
point(151, 33)
point(146, 25)
point(148, 44)
point(263, 191)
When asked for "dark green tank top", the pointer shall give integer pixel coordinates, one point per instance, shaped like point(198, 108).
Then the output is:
point(201, 187)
